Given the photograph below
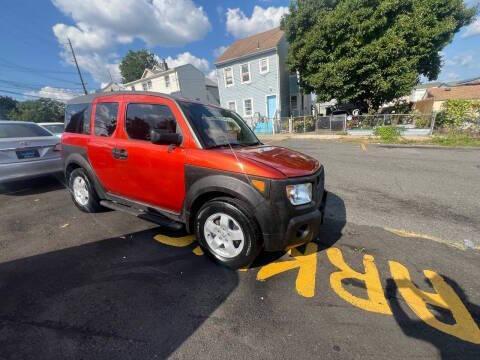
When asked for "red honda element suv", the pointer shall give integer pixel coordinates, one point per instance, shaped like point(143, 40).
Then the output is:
point(180, 163)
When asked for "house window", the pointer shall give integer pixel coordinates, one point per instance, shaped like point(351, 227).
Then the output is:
point(167, 81)
point(149, 84)
point(245, 73)
point(232, 105)
point(294, 103)
point(228, 74)
point(133, 88)
point(264, 66)
point(248, 107)
point(144, 86)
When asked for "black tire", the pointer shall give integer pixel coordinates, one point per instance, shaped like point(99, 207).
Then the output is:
point(93, 203)
point(240, 213)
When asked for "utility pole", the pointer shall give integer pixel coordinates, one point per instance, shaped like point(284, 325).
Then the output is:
point(76, 64)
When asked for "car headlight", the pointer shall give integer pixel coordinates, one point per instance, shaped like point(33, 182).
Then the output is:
point(299, 194)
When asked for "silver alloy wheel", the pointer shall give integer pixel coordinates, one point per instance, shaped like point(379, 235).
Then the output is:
point(224, 235)
point(80, 191)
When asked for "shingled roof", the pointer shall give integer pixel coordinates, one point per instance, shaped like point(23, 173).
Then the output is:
point(466, 92)
point(257, 43)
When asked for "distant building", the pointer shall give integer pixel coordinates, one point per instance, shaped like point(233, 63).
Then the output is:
point(253, 78)
point(435, 97)
point(184, 80)
point(112, 86)
point(418, 93)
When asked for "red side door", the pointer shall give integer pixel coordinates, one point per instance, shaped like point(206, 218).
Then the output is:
point(101, 146)
point(149, 173)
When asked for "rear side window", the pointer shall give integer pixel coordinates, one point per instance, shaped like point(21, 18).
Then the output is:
point(142, 118)
point(19, 130)
point(105, 119)
point(77, 118)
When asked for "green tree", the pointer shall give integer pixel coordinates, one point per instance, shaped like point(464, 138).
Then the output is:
point(369, 52)
point(134, 64)
point(41, 110)
point(7, 104)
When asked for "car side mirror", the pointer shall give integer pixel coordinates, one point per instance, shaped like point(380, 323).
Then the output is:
point(159, 137)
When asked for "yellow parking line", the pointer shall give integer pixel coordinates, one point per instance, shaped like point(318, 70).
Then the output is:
point(405, 233)
point(175, 241)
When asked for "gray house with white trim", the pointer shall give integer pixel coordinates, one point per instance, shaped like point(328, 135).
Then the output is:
point(253, 79)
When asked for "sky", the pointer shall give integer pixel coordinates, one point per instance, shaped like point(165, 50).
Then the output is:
point(35, 60)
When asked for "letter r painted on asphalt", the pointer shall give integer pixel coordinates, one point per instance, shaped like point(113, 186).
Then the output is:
point(375, 301)
point(444, 297)
point(306, 264)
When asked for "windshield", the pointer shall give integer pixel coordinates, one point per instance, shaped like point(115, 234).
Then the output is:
point(218, 127)
point(18, 130)
point(56, 129)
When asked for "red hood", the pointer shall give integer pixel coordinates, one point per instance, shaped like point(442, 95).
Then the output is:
point(290, 163)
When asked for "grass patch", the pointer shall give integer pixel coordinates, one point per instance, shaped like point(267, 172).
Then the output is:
point(447, 140)
point(455, 140)
point(388, 134)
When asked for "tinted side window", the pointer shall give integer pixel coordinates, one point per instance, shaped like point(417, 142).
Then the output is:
point(141, 118)
point(106, 119)
point(77, 118)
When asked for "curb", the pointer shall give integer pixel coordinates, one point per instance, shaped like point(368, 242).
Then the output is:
point(433, 147)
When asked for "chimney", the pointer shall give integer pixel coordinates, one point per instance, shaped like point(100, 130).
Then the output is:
point(163, 66)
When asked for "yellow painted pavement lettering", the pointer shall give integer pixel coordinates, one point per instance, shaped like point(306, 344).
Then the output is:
point(183, 241)
point(445, 297)
point(307, 268)
point(175, 241)
point(376, 301)
point(198, 251)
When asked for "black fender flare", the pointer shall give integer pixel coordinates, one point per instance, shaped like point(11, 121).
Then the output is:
point(80, 161)
point(230, 186)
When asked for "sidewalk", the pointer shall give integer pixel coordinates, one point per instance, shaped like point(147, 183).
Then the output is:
point(420, 142)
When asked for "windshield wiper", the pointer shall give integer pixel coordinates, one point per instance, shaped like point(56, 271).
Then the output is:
point(235, 144)
point(223, 145)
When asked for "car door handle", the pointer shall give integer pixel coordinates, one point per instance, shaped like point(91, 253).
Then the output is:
point(120, 154)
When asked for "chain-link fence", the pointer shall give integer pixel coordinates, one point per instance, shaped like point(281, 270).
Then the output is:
point(339, 123)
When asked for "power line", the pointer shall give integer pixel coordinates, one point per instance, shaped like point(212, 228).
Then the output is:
point(32, 96)
point(39, 74)
point(9, 64)
point(22, 85)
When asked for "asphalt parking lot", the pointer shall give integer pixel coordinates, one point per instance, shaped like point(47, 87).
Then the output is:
point(393, 275)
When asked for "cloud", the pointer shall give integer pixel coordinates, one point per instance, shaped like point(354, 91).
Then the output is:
point(219, 51)
point(187, 58)
point(102, 25)
point(54, 93)
point(472, 29)
point(464, 60)
point(156, 22)
point(451, 76)
point(212, 75)
point(262, 19)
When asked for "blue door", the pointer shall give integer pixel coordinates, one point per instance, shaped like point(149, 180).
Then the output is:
point(271, 106)
point(267, 126)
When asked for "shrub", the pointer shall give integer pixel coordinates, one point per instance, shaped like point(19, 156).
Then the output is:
point(421, 121)
point(455, 113)
point(299, 126)
point(388, 133)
